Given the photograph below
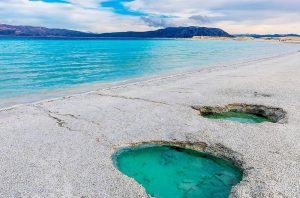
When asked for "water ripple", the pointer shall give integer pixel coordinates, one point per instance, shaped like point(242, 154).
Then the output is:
point(32, 66)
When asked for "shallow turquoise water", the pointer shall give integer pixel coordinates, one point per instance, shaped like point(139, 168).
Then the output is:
point(238, 117)
point(172, 172)
point(29, 66)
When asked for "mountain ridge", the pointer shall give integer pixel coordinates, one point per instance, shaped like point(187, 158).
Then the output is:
point(170, 32)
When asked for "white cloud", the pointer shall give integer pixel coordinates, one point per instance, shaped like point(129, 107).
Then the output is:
point(234, 16)
point(61, 15)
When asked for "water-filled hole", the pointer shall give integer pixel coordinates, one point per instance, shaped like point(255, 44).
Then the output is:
point(238, 117)
point(173, 172)
point(243, 113)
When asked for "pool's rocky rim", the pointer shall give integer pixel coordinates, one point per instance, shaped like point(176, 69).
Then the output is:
point(215, 150)
point(273, 114)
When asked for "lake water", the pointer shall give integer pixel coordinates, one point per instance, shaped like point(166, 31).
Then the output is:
point(37, 66)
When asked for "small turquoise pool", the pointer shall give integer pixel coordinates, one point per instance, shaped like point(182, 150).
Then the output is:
point(173, 172)
point(238, 117)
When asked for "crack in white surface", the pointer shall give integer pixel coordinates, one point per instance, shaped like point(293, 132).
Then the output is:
point(62, 123)
point(132, 98)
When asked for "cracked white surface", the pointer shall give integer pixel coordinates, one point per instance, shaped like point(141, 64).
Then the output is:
point(63, 147)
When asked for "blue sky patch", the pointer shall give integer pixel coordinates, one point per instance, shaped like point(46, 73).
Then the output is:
point(118, 7)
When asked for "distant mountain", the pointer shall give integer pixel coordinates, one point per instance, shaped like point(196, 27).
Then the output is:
point(171, 32)
point(10, 30)
point(267, 35)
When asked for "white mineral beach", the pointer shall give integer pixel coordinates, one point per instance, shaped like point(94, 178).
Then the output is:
point(63, 147)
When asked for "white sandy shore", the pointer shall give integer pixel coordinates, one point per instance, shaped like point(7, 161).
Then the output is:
point(63, 147)
point(289, 39)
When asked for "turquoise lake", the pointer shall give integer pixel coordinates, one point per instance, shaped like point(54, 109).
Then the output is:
point(37, 66)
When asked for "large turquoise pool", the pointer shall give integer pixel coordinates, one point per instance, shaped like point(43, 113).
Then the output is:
point(172, 172)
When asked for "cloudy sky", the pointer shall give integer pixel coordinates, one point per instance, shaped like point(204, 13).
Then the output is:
point(234, 16)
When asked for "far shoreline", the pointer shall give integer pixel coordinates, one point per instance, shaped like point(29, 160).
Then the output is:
point(285, 39)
